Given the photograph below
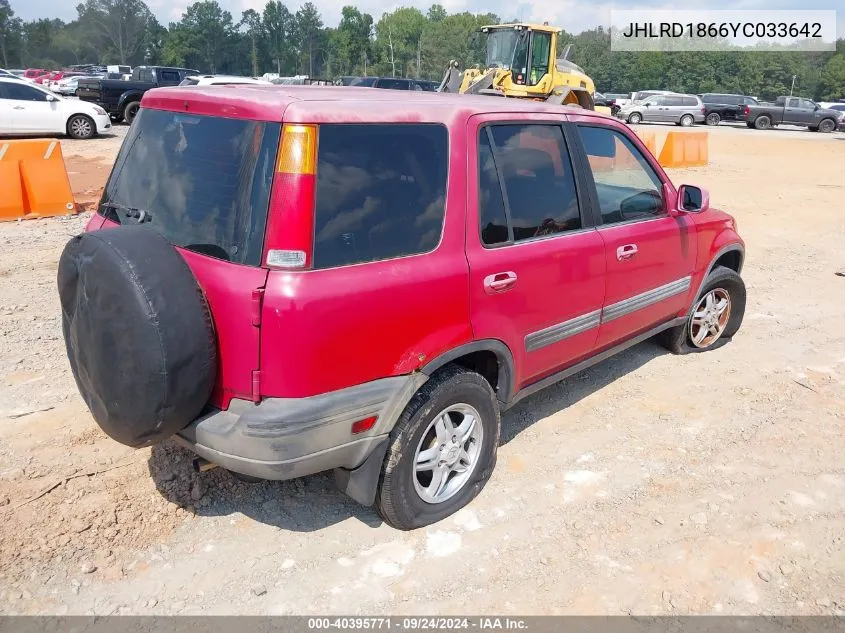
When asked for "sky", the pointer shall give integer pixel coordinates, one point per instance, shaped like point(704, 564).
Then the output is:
point(572, 15)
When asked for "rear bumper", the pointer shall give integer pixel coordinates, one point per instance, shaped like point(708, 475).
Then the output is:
point(285, 438)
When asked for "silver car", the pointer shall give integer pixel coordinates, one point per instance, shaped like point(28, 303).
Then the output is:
point(674, 108)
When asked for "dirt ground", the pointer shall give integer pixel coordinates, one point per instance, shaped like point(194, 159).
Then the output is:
point(650, 484)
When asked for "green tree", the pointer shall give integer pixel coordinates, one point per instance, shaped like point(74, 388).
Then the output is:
point(399, 37)
point(832, 85)
point(277, 24)
point(209, 32)
point(351, 40)
point(118, 28)
point(307, 26)
point(252, 26)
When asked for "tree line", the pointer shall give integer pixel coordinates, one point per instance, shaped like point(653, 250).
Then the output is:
point(406, 42)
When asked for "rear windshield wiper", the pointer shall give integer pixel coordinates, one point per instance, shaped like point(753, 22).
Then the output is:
point(131, 212)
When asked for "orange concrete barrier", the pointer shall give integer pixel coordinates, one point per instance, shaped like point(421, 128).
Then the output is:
point(649, 139)
point(684, 149)
point(33, 180)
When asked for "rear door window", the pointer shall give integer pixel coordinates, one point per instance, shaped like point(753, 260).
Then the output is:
point(532, 164)
point(203, 182)
point(381, 192)
point(689, 101)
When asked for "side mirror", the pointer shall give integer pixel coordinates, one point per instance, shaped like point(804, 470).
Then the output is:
point(52, 98)
point(648, 105)
point(692, 199)
point(818, 107)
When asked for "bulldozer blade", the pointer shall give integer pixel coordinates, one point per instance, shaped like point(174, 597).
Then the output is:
point(484, 82)
point(451, 80)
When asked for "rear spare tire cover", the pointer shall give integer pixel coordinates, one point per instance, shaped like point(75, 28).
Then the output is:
point(138, 333)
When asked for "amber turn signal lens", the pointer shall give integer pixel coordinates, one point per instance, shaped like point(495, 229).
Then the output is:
point(298, 152)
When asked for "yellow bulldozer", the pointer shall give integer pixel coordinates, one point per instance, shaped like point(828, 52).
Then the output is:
point(522, 62)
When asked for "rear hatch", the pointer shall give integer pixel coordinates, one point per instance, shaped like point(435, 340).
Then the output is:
point(204, 183)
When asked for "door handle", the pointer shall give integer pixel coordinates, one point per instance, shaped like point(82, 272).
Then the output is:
point(626, 252)
point(499, 282)
point(18, 108)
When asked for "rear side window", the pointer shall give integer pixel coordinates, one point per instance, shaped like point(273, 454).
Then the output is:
point(203, 182)
point(532, 163)
point(394, 84)
point(690, 101)
point(381, 192)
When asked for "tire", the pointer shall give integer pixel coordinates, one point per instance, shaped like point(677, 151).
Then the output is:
point(713, 119)
point(399, 498)
point(81, 127)
point(130, 111)
point(138, 333)
point(826, 126)
point(679, 340)
point(635, 118)
point(762, 122)
point(687, 120)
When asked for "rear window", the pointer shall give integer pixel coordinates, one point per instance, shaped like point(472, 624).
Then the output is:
point(202, 182)
point(381, 192)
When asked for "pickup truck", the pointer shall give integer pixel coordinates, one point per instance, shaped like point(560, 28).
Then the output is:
point(791, 111)
point(121, 99)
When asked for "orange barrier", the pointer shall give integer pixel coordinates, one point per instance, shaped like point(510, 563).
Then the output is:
point(685, 149)
point(33, 180)
point(649, 139)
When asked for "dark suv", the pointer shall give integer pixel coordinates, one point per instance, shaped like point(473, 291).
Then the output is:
point(724, 107)
point(395, 83)
point(290, 280)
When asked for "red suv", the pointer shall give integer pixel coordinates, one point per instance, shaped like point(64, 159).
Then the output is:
point(301, 279)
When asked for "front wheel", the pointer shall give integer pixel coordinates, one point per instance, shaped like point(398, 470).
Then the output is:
point(635, 118)
point(442, 450)
point(686, 120)
point(716, 316)
point(827, 126)
point(81, 127)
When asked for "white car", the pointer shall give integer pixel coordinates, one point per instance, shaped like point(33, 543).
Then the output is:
point(28, 109)
point(66, 86)
point(220, 80)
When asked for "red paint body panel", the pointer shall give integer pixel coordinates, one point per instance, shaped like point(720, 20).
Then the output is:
point(228, 289)
point(558, 278)
point(324, 330)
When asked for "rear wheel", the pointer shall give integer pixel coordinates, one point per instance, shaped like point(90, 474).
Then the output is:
point(763, 122)
point(686, 120)
point(442, 450)
point(130, 111)
point(635, 118)
point(716, 316)
point(81, 127)
point(713, 118)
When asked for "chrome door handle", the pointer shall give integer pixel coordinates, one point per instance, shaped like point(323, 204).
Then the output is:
point(499, 282)
point(18, 108)
point(626, 252)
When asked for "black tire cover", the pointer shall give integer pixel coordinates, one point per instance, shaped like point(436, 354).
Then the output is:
point(138, 333)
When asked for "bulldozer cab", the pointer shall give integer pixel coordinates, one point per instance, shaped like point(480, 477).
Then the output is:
point(521, 63)
point(524, 51)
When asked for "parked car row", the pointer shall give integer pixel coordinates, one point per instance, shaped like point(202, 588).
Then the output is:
point(661, 106)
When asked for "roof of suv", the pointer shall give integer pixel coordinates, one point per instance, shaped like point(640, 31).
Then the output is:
point(268, 103)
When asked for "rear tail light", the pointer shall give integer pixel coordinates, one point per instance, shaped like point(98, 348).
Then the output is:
point(288, 239)
point(703, 110)
point(746, 111)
